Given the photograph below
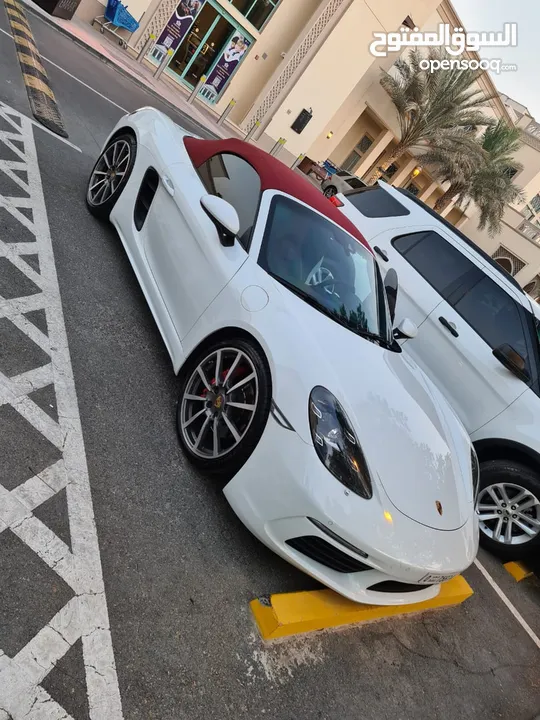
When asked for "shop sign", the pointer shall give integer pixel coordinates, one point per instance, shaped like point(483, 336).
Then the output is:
point(228, 61)
point(177, 28)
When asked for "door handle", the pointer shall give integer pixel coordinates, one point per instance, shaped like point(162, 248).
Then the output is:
point(381, 253)
point(168, 185)
point(450, 326)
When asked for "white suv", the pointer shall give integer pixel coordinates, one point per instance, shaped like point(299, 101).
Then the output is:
point(479, 340)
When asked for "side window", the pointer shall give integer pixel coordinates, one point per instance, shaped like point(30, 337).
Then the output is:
point(494, 315)
point(234, 180)
point(437, 261)
point(356, 183)
point(375, 202)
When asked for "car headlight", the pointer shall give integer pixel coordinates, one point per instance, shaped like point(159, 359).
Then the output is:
point(475, 466)
point(336, 443)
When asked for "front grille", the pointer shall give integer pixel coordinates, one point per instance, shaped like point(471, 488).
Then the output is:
point(393, 586)
point(323, 552)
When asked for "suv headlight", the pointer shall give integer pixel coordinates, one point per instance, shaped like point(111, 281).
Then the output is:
point(336, 443)
point(475, 466)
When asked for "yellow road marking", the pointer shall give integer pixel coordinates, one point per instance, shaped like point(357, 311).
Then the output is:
point(32, 61)
point(518, 571)
point(25, 43)
point(301, 612)
point(37, 84)
point(22, 28)
point(16, 14)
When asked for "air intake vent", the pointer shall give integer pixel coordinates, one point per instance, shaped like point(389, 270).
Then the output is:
point(323, 552)
point(146, 194)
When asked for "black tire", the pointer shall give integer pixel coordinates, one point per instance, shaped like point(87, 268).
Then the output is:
point(493, 472)
point(330, 191)
point(226, 465)
point(103, 210)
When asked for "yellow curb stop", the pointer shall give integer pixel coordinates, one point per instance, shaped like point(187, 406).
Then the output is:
point(517, 570)
point(302, 612)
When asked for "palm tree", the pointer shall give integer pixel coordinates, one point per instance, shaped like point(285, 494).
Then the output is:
point(431, 105)
point(481, 171)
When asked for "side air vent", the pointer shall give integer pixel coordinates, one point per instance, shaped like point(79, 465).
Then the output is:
point(146, 194)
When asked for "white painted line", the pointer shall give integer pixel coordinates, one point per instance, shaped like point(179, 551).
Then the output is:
point(506, 601)
point(89, 87)
point(85, 616)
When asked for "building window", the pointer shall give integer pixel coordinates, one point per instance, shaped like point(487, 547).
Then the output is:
point(414, 189)
point(507, 260)
point(510, 172)
point(535, 203)
point(256, 11)
point(390, 171)
point(353, 160)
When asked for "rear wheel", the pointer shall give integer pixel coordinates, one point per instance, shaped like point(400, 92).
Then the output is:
point(110, 175)
point(509, 509)
point(223, 406)
point(330, 191)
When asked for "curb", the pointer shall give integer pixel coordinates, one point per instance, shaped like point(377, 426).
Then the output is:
point(518, 571)
point(38, 87)
point(104, 59)
point(301, 612)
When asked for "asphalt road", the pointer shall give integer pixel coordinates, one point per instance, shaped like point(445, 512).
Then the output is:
point(179, 568)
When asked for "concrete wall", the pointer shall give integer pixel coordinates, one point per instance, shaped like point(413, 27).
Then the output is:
point(339, 66)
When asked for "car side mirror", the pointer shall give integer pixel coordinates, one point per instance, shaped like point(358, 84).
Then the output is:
point(406, 329)
point(512, 361)
point(391, 285)
point(224, 217)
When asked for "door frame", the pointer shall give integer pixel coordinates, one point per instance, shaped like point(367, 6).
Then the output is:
point(237, 27)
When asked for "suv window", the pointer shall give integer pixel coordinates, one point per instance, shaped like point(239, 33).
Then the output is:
point(495, 316)
point(437, 261)
point(374, 202)
point(234, 180)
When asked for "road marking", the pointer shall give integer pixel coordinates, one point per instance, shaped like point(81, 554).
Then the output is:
point(85, 617)
point(88, 87)
point(506, 601)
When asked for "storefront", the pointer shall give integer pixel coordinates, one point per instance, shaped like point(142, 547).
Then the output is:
point(202, 38)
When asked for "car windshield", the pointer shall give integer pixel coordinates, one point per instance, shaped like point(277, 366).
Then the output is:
point(325, 266)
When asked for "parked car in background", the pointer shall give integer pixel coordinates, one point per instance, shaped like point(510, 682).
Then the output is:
point(341, 182)
point(334, 447)
point(479, 340)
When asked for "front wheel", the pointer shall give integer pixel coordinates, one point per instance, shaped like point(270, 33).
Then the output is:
point(330, 191)
point(223, 406)
point(509, 509)
point(110, 175)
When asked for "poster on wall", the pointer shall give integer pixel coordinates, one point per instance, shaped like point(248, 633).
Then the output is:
point(228, 61)
point(177, 28)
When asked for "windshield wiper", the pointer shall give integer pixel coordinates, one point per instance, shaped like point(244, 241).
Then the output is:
point(332, 314)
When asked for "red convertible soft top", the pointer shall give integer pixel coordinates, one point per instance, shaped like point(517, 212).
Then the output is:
point(274, 175)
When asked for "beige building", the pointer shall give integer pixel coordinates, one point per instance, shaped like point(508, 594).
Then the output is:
point(281, 59)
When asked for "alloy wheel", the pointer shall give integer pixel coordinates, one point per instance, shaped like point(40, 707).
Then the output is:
point(508, 513)
point(109, 172)
point(219, 403)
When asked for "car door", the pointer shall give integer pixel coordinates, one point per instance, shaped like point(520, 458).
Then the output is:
point(428, 268)
point(189, 264)
point(457, 343)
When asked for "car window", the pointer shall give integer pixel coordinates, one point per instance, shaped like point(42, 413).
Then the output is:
point(440, 263)
point(355, 183)
point(234, 180)
point(324, 265)
point(342, 173)
point(374, 202)
point(495, 316)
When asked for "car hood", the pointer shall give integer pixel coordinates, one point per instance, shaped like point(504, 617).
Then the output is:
point(414, 444)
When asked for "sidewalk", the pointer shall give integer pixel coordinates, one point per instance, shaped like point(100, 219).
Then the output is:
point(164, 89)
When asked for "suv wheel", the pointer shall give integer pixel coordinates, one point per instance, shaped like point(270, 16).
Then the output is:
point(330, 191)
point(509, 509)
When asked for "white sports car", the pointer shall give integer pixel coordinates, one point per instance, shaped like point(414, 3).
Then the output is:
point(344, 458)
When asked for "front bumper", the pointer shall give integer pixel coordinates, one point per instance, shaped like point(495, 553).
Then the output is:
point(284, 483)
